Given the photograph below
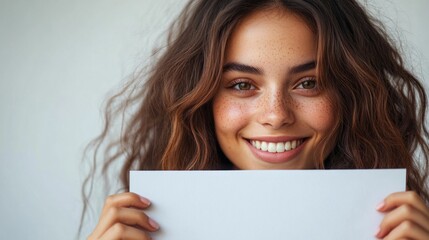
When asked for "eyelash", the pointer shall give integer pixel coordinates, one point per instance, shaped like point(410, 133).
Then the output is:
point(234, 85)
point(306, 80)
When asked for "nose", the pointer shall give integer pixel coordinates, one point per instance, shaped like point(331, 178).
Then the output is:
point(276, 110)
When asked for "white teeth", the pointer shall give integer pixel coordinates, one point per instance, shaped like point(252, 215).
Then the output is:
point(279, 147)
point(287, 146)
point(272, 147)
point(264, 146)
point(257, 145)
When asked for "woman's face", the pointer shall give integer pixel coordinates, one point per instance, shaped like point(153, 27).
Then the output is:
point(269, 112)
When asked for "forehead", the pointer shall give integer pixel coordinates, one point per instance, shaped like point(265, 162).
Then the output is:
point(274, 33)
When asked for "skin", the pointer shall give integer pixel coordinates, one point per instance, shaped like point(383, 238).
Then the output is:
point(122, 217)
point(278, 102)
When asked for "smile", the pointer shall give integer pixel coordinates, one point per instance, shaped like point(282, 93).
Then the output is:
point(276, 147)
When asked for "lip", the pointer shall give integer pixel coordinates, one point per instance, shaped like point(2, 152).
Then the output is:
point(275, 139)
point(276, 157)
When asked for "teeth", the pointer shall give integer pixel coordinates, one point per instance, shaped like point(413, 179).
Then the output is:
point(264, 146)
point(279, 147)
point(258, 145)
point(272, 147)
point(287, 146)
point(293, 144)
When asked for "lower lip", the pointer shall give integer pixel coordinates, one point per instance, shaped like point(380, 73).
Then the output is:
point(276, 157)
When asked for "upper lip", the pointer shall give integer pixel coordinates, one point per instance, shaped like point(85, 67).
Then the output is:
point(275, 138)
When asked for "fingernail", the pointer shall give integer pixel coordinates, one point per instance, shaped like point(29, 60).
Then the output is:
point(379, 234)
point(145, 200)
point(153, 223)
point(376, 233)
point(380, 206)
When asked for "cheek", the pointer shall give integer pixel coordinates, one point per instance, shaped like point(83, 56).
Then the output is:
point(319, 114)
point(229, 115)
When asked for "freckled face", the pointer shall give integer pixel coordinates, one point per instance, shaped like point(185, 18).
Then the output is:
point(269, 112)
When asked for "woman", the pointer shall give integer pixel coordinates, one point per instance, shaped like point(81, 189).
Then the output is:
point(274, 85)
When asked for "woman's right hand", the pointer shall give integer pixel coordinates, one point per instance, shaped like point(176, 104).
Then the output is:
point(123, 218)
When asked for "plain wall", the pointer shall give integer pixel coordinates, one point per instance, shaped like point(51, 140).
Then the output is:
point(59, 59)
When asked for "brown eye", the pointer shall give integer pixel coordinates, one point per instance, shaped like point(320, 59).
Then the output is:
point(308, 84)
point(243, 86)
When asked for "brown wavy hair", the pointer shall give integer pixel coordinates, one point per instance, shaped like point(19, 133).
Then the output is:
point(166, 114)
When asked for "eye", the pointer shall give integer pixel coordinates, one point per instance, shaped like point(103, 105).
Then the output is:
point(307, 83)
point(242, 85)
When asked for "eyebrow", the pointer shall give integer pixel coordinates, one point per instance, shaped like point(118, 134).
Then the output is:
point(233, 66)
point(303, 67)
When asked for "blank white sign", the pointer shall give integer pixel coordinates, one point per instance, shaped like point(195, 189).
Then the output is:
point(270, 204)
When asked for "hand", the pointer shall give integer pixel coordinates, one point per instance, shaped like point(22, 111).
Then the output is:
point(407, 217)
point(122, 218)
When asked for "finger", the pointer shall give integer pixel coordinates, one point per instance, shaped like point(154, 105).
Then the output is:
point(396, 199)
point(132, 217)
point(127, 216)
point(116, 202)
point(407, 230)
point(122, 231)
point(400, 214)
point(127, 199)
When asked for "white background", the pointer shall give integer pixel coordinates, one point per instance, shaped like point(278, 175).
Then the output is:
point(59, 59)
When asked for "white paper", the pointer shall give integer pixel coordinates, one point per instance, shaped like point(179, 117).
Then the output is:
point(270, 204)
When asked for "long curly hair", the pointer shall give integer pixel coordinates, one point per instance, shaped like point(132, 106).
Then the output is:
point(166, 113)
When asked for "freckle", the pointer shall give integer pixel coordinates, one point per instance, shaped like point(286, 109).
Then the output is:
point(297, 105)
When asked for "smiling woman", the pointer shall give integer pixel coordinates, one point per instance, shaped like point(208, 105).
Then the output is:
point(272, 84)
point(270, 112)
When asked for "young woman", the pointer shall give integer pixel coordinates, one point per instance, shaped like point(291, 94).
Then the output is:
point(273, 84)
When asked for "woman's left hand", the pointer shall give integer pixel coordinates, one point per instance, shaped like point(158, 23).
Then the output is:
point(407, 217)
